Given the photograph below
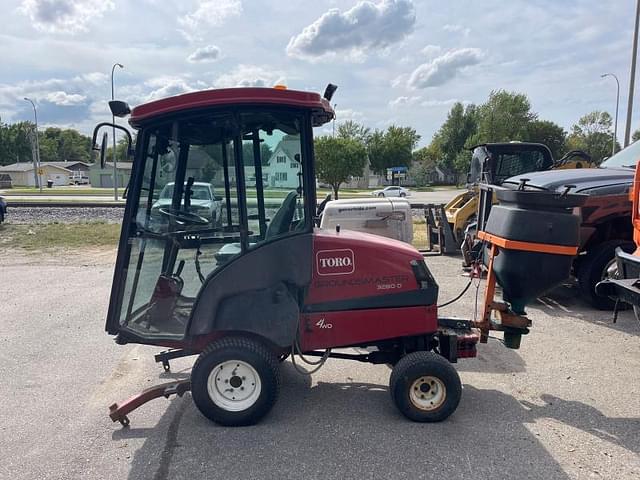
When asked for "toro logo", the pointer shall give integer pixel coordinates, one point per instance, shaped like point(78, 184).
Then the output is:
point(335, 262)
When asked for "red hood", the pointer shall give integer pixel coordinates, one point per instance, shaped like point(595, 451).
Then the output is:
point(360, 238)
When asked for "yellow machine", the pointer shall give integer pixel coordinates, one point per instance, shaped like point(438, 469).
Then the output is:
point(491, 163)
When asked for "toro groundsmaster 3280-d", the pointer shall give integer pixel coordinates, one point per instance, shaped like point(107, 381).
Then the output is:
point(220, 256)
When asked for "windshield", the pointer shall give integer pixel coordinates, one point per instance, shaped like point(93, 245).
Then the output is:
point(627, 157)
point(200, 192)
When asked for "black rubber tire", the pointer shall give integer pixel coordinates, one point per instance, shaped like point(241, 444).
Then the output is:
point(1, 215)
point(381, 194)
point(403, 195)
point(248, 350)
point(591, 269)
point(418, 364)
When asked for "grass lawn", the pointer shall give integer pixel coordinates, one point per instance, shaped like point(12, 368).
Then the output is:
point(59, 235)
point(60, 190)
point(95, 234)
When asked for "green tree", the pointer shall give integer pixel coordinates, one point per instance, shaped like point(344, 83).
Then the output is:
point(592, 134)
point(454, 134)
point(424, 164)
point(15, 142)
point(58, 145)
point(354, 130)
point(504, 117)
point(549, 133)
point(338, 159)
point(391, 148)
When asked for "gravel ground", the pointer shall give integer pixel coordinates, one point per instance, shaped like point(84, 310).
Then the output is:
point(564, 406)
point(26, 215)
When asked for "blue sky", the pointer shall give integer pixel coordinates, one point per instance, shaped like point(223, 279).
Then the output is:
point(395, 61)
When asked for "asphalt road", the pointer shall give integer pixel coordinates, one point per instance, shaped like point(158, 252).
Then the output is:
point(564, 406)
point(437, 196)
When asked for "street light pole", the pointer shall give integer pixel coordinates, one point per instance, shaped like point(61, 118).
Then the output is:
point(335, 105)
point(36, 160)
point(113, 120)
point(632, 76)
point(615, 125)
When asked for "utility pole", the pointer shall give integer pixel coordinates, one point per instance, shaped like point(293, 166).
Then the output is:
point(615, 125)
point(36, 156)
point(113, 120)
point(334, 118)
point(632, 76)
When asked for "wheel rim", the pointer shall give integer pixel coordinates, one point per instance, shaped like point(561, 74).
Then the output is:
point(610, 270)
point(234, 385)
point(428, 393)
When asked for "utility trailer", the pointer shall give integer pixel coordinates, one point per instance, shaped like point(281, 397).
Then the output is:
point(266, 283)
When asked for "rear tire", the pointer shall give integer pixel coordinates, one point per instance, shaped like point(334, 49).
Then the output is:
point(235, 381)
point(593, 270)
point(425, 387)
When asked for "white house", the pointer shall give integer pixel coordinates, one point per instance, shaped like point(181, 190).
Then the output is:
point(22, 174)
point(282, 168)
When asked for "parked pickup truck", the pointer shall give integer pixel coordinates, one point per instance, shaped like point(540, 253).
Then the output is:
point(605, 216)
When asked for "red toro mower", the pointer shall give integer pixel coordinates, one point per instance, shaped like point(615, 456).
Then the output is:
point(220, 256)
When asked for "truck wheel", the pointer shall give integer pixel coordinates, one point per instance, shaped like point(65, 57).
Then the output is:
point(598, 265)
point(425, 387)
point(235, 381)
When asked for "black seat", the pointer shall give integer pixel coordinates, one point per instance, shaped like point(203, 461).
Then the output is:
point(281, 221)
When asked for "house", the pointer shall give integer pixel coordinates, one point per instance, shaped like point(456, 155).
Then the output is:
point(443, 176)
point(104, 178)
point(23, 174)
point(5, 181)
point(282, 169)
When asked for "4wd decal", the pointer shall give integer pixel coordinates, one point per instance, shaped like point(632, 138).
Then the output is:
point(335, 262)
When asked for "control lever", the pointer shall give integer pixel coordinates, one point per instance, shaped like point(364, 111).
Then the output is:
point(567, 188)
point(523, 183)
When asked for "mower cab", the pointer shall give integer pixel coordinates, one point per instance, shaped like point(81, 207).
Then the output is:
point(219, 256)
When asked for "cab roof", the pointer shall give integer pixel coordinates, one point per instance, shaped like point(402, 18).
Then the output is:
point(321, 109)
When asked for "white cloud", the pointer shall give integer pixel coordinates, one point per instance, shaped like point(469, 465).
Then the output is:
point(431, 51)
point(64, 16)
point(440, 103)
point(443, 68)
point(166, 87)
point(345, 114)
point(250, 76)
point(210, 53)
point(403, 101)
point(366, 26)
point(212, 13)
point(64, 98)
point(94, 78)
point(454, 28)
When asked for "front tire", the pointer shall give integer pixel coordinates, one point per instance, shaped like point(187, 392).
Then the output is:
point(403, 195)
point(593, 269)
point(425, 387)
point(381, 194)
point(235, 381)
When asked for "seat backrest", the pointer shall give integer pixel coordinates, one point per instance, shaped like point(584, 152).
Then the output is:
point(281, 221)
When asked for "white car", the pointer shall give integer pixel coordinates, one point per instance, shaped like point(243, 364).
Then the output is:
point(392, 191)
point(203, 202)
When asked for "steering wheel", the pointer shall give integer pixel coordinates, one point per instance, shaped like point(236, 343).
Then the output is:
point(183, 217)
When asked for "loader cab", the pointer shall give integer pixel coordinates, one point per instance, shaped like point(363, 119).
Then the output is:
point(492, 163)
point(217, 175)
